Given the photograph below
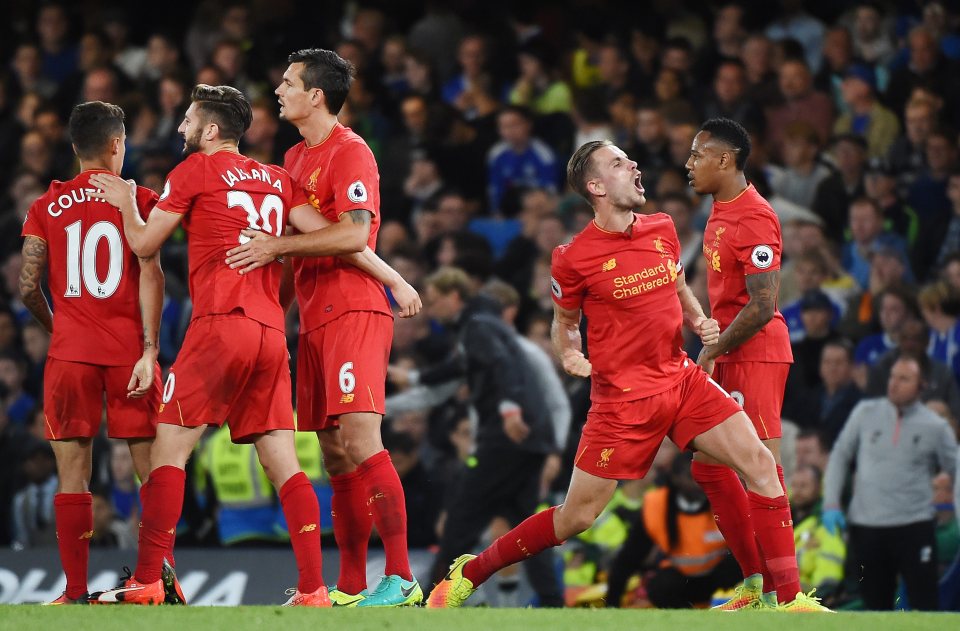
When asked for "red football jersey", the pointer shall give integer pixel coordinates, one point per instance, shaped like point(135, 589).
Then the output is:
point(220, 195)
point(93, 276)
point(338, 175)
point(743, 237)
point(626, 285)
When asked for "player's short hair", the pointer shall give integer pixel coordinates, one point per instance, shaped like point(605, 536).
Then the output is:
point(92, 125)
point(580, 166)
point(226, 106)
point(732, 133)
point(447, 280)
point(328, 71)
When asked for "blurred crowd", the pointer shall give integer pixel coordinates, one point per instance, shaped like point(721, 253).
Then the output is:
point(472, 109)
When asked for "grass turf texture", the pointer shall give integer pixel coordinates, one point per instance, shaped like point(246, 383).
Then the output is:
point(132, 618)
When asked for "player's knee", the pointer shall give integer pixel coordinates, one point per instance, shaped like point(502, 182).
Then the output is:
point(573, 520)
point(759, 465)
point(336, 461)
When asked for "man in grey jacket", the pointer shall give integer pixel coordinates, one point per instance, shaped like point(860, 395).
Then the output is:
point(898, 446)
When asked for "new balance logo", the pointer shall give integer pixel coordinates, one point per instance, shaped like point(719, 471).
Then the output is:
point(347, 398)
point(308, 528)
point(609, 265)
point(87, 535)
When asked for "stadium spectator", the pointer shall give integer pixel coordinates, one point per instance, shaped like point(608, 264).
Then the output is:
point(802, 173)
point(835, 193)
point(519, 159)
point(693, 561)
point(940, 308)
point(865, 115)
point(800, 101)
point(907, 154)
point(32, 509)
point(538, 86)
point(820, 553)
point(17, 403)
point(867, 233)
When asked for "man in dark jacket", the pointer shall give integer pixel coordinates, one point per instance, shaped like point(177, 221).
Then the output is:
point(514, 433)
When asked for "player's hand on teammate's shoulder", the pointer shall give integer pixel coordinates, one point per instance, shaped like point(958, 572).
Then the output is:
point(705, 361)
point(259, 250)
point(114, 190)
point(574, 363)
point(708, 329)
point(407, 299)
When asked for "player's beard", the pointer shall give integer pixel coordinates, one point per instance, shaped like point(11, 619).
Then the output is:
point(191, 144)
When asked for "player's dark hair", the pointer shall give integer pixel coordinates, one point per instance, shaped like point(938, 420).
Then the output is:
point(226, 106)
point(580, 166)
point(92, 125)
point(328, 71)
point(732, 133)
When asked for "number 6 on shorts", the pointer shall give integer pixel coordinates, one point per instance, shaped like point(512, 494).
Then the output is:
point(347, 380)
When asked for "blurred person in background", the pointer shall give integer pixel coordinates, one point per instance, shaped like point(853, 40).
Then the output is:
point(899, 446)
point(676, 529)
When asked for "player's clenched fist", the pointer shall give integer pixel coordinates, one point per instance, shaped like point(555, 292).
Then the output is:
point(574, 363)
point(708, 329)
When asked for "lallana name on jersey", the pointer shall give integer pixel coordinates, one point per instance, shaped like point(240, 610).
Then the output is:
point(234, 175)
point(75, 196)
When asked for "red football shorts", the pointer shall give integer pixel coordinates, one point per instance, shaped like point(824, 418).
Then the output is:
point(620, 439)
point(342, 368)
point(758, 387)
point(230, 369)
point(73, 395)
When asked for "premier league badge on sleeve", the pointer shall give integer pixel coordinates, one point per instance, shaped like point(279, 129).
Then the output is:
point(762, 257)
point(357, 192)
point(555, 287)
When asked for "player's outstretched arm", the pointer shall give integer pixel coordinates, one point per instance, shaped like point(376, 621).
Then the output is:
point(143, 237)
point(567, 344)
point(760, 308)
point(34, 263)
point(306, 219)
point(347, 236)
point(707, 328)
point(151, 304)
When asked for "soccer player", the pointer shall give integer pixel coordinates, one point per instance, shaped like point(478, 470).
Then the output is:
point(346, 327)
point(233, 364)
point(107, 313)
point(742, 245)
point(624, 272)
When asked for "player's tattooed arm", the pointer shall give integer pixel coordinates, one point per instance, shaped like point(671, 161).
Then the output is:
point(151, 303)
point(760, 308)
point(567, 343)
point(34, 255)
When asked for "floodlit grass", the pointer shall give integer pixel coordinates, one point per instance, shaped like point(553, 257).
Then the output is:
point(132, 618)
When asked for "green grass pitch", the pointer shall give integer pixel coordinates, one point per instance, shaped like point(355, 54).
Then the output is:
point(129, 618)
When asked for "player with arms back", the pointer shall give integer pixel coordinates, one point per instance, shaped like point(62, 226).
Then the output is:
point(105, 325)
point(742, 245)
point(346, 327)
point(623, 271)
point(233, 365)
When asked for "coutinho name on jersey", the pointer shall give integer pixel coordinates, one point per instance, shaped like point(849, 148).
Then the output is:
point(646, 279)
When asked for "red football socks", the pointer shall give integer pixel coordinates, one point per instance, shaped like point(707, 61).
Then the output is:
point(74, 515)
point(302, 511)
point(384, 495)
point(535, 534)
point(731, 510)
point(163, 503)
point(352, 524)
point(774, 528)
point(168, 555)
